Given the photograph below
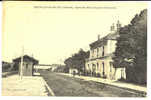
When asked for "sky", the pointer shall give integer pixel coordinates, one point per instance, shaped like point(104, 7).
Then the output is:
point(51, 35)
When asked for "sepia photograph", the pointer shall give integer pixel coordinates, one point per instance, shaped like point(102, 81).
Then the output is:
point(74, 49)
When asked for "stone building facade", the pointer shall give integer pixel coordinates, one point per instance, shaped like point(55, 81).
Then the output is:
point(100, 61)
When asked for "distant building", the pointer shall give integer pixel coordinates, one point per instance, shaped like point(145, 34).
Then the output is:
point(49, 67)
point(28, 65)
point(42, 67)
point(100, 61)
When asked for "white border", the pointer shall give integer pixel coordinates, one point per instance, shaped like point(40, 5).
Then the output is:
point(87, 98)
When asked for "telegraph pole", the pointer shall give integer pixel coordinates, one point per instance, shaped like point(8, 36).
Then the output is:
point(21, 64)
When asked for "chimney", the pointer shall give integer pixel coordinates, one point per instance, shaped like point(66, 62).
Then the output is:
point(118, 25)
point(98, 37)
point(112, 27)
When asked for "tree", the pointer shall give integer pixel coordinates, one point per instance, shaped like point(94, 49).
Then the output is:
point(77, 60)
point(131, 50)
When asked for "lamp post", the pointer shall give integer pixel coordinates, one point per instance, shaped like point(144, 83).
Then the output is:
point(21, 64)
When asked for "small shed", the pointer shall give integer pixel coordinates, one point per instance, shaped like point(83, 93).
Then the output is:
point(28, 65)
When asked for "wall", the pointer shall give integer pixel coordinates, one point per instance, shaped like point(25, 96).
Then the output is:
point(111, 46)
point(95, 60)
point(27, 68)
point(97, 52)
point(110, 71)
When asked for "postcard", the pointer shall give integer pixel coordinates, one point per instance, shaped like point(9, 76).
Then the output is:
point(74, 49)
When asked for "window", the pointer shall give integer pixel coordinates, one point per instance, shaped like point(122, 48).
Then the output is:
point(92, 53)
point(94, 67)
point(111, 66)
point(103, 51)
point(97, 52)
point(103, 68)
point(26, 66)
